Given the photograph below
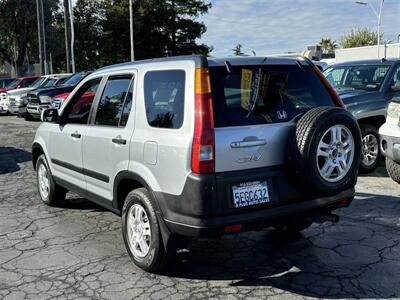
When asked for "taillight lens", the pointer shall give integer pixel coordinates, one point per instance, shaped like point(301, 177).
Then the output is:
point(203, 148)
point(335, 97)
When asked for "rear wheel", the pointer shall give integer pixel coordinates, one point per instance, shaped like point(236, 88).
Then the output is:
point(371, 153)
point(49, 191)
point(141, 232)
point(393, 169)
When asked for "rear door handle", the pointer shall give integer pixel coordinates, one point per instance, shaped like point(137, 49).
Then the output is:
point(118, 140)
point(76, 135)
point(245, 144)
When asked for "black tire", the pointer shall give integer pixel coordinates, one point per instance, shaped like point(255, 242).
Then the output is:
point(56, 193)
point(28, 117)
point(157, 257)
point(369, 130)
point(393, 169)
point(303, 146)
point(294, 226)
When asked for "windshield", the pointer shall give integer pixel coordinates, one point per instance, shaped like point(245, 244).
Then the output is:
point(13, 84)
point(74, 79)
point(38, 82)
point(50, 82)
point(365, 77)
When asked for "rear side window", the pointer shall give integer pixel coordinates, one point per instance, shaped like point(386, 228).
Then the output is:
point(252, 95)
point(111, 103)
point(164, 93)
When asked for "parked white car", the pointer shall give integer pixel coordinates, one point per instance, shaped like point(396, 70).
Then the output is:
point(16, 100)
point(390, 140)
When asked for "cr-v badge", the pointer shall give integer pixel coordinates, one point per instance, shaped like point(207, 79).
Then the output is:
point(250, 158)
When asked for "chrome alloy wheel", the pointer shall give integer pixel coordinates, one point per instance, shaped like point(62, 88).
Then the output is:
point(139, 232)
point(335, 153)
point(44, 182)
point(370, 149)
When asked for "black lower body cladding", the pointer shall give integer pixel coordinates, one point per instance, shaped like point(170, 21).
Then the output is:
point(315, 130)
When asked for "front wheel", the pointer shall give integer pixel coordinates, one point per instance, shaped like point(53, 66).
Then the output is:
point(371, 153)
point(141, 232)
point(49, 191)
point(393, 169)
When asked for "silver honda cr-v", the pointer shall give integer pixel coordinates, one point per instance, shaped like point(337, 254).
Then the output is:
point(196, 146)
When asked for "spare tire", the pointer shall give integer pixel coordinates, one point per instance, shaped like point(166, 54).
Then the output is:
point(324, 150)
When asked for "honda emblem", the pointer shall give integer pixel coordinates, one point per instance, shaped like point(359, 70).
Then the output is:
point(282, 114)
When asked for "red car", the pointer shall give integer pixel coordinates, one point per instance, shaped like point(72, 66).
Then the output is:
point(87, 99)
point(21, 82)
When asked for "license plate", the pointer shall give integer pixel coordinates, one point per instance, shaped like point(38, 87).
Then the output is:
point(250, 193)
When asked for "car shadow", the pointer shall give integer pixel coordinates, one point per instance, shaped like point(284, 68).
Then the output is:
point(78, 203)
point(380, 171)
point(326, 261)
point(11, 157)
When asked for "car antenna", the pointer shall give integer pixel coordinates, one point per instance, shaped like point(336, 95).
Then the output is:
point(228, 66)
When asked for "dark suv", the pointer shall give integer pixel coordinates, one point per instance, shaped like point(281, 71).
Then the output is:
point(366, 88)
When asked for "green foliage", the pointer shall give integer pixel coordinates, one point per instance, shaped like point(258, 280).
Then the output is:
point(328, 45)
point(18, 31)
point(102, 36)
point(359, 37)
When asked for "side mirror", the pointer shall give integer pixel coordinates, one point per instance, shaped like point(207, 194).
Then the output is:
point(396, 86)
point(49, 115)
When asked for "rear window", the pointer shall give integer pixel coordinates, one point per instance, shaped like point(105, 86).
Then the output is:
point(253, 95)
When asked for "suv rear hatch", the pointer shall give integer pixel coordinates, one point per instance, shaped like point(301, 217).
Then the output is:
point(255, 106)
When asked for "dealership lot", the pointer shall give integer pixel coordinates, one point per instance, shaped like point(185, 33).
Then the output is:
point(77, 250)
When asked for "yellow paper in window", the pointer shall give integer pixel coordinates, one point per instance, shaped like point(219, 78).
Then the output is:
point(245, 87)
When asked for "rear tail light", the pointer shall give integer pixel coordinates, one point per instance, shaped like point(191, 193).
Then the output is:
point(203, 147)
point(335, 97)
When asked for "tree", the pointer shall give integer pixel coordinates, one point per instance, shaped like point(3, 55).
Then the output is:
point(18, 32)
point(328, 45)
point(359, 37)
point(237, 50)
point(161, 28)
point(89, 34)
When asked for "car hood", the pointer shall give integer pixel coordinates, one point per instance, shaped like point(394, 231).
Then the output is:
point(344, 94)
point(20, 91)
point(52, 91)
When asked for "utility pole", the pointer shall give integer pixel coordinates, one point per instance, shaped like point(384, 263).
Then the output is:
point(71, 15)
point(42, 41)
point(377, 15)
point(67, 26)
point(131, 30)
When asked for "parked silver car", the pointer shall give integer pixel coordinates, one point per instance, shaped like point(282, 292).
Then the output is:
point(196, 146)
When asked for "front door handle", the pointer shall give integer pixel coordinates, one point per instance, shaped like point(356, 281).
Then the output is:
point(245, 144)
point(118, 140)
point(76, 135)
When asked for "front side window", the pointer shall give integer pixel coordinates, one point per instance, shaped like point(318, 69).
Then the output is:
point(363, 77)
point(78, 111)
point(164, 93)
point(110, 107)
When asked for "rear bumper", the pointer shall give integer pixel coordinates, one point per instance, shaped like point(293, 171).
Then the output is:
point(205, 206)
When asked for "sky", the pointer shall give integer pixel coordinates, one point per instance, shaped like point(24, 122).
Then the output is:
point(275, 26)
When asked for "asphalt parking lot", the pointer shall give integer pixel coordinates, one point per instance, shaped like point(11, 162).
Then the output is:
point(77, 250)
